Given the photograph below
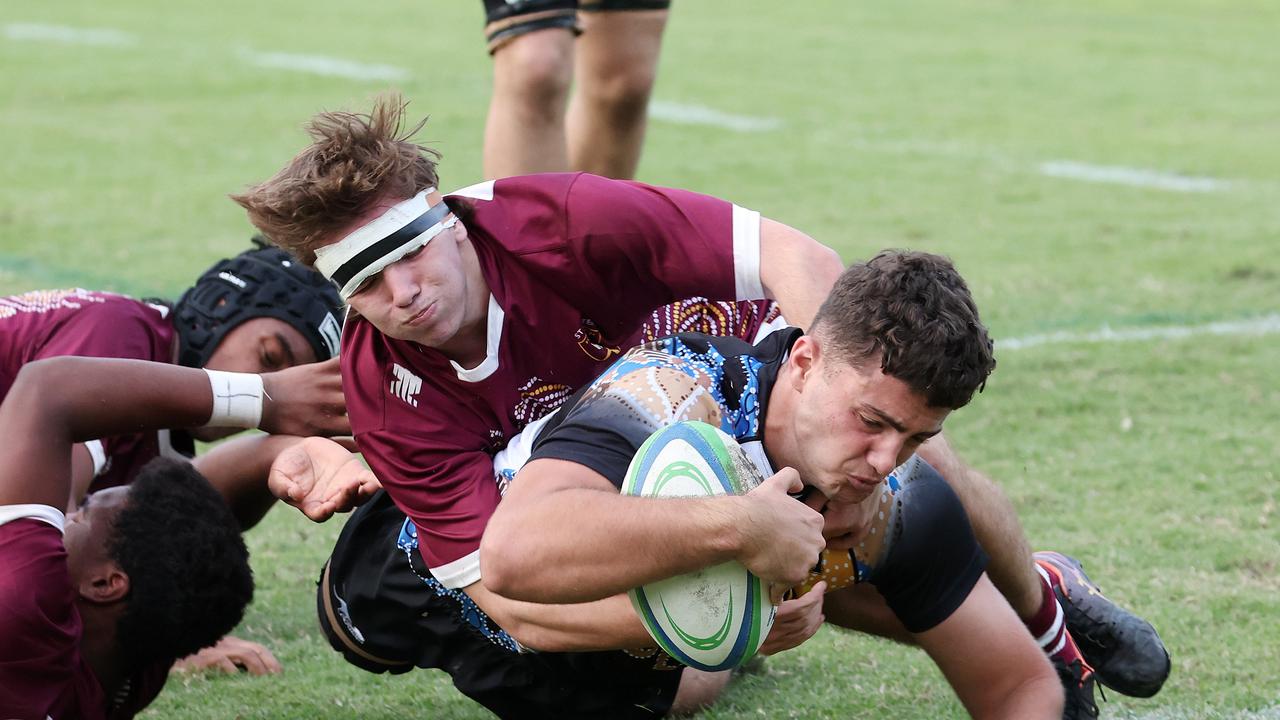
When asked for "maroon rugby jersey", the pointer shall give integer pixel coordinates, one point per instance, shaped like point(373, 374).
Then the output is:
point(50, 323)
point(575, 266)
point(42, 673)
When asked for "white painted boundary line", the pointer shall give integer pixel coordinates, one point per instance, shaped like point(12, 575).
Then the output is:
point(323, 65)
point(1271, 713)
point(70, 35)
point(698, 115)
point(1136, 177)
point(1266, 325)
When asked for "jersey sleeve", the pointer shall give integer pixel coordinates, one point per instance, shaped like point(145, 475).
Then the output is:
point(447, 491)
point(38, 621)
point(934, 560)
point(660, 245)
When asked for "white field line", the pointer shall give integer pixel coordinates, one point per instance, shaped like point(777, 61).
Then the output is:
point(1136, 177)
point(323, 65)
point(70, 35)
point(1266, 325)
point(698, 115)
point(1271, 713)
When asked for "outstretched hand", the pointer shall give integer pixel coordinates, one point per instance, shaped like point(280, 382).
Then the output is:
point(783, 536)
point(305, 400)
point(231, 654)
point(320, 477)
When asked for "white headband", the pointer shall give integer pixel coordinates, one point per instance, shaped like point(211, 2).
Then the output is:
point(403, 228)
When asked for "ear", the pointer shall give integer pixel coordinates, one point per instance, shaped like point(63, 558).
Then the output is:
point(805, 354)
point(105, 584)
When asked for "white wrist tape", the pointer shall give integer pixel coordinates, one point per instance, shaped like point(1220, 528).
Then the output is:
point(237, 399)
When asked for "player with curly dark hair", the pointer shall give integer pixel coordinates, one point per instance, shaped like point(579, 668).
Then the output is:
point(96, 604)
point(175, 525)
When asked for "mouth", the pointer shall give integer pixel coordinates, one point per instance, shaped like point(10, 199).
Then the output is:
point(863, 483)
point(422, 316)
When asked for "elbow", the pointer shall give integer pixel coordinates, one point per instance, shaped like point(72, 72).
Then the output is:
point(499, 563)
point(31, 386)
point(825, 261)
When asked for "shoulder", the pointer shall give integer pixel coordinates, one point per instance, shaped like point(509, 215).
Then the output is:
point(933, 558)
point(38, 618)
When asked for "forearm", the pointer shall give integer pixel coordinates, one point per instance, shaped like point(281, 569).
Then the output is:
point(608, 624)
point(239, 469)
point(57, 402)
point(578, 544)
point(796, 270)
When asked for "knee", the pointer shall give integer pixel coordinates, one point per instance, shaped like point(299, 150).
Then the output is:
point(620, 90)
point(535, 71)
point(698, 690)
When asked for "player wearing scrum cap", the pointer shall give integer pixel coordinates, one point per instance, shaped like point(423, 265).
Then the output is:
point(259, 311)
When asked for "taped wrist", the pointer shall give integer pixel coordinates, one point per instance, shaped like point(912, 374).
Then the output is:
point(237, 399)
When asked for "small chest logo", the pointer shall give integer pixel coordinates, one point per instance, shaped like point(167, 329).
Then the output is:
point(591, 340)
point(406, 386)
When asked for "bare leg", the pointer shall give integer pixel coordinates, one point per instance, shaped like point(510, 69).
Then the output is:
point(698, 689)
point(1012, 569)
point(616, 63)
point(525, 131)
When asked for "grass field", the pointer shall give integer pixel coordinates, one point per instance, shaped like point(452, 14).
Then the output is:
point(1099, 164)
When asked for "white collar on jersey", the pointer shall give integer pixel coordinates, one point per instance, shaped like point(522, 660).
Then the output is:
point(493, 340)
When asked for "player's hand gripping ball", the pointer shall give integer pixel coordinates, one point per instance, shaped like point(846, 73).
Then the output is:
point(718, 617)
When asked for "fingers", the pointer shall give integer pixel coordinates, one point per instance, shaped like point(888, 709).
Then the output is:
point(257, 660)
point(777, 591)
point(232, 655)
point(796, 621)
point(788, 478)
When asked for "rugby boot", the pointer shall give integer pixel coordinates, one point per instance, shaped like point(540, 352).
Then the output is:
point(1124, 650)
point(1077, 683)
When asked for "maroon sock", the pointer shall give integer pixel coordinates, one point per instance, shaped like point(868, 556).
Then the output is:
point(1048, 626)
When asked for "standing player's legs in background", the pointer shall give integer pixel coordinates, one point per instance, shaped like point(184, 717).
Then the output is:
point(616, 61)
point(535, 57)
point(532, 47)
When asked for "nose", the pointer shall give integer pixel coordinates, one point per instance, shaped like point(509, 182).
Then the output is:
point(883, 455)
point(401, 284)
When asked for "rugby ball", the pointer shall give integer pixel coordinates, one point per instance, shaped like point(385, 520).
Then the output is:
point(715, 618)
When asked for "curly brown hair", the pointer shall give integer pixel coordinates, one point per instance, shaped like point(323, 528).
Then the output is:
point(913, 313)
point(353, 161)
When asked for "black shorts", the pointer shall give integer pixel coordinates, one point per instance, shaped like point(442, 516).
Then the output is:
point(380, 607)
point(505, 20)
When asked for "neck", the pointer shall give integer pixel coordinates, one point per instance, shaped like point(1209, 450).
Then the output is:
point(779, 442)
point(470, 345)
point(98, 646)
